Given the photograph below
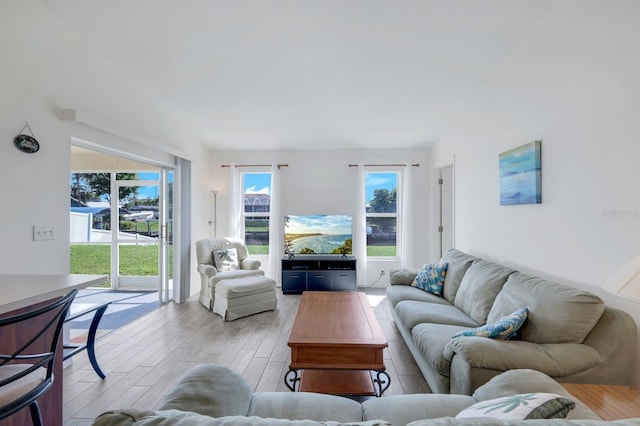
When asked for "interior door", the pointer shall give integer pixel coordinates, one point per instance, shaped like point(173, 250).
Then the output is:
point(446, 209)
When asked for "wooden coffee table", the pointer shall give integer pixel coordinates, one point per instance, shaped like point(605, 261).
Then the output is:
point(337, 346)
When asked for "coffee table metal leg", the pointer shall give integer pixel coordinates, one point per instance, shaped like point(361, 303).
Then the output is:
point(291, 379)
point(381, 382)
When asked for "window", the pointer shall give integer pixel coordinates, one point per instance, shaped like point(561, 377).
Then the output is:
point(257, 208)
point(382, 213)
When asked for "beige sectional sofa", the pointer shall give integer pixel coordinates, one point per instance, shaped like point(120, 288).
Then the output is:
point(211, 395)
point(569, 334)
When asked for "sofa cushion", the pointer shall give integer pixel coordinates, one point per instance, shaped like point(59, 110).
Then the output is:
point(402, 409)
point(402, 276)
point(479, 288)
point(521, 407)
point(412, 313)
point(553, 359)
point(244, 286)
point(431, 278)
point(431, 339)
point(557, 313)
point(305, 405)
point(458, 262)
point(505, 328)
point(192, 392)
point(398, 293)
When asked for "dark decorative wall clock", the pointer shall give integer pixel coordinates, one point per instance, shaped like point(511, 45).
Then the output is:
point(26, 143)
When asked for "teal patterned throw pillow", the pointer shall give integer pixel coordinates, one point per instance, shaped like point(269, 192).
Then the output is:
point(431, 278)
point(521, 407)
point(505, 328)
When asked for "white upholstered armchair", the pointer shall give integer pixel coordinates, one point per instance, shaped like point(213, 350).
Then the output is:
point(220, 259)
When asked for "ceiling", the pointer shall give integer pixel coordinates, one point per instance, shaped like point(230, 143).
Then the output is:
point(304, 74)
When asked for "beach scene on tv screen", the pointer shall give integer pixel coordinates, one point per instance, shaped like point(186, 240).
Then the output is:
point(317, 234)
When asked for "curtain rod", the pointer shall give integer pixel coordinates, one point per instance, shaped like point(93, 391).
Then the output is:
point(386, 165)
point(255, 165)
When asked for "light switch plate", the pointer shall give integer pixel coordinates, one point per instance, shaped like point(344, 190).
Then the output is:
point(43, 233)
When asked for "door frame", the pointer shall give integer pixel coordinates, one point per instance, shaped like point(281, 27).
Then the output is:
point(163, 290)
point(141, 282)
point(444, 212)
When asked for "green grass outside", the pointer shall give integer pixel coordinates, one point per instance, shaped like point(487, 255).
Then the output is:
point(143, 260)
point(258, 249)
point(382, 251)
point(135, 260)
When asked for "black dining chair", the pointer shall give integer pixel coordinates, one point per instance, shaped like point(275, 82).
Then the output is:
point(26, 373)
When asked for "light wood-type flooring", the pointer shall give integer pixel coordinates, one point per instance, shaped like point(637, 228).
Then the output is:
point(143, 359)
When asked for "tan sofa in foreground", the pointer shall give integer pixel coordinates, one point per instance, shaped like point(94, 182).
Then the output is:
point(212, 395)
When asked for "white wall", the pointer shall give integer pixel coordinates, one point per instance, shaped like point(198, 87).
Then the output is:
point(574, 83)
point(42, 70)
point(321, 182)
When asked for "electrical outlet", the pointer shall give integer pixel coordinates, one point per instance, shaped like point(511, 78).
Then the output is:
point(43, 233)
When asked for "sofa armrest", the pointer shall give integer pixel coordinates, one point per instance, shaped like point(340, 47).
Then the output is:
point(210, 390)
point(402, 276)
point(207, 270)
point(249, 263)
point(125, 417)
point(555, 360)
point(515, 382)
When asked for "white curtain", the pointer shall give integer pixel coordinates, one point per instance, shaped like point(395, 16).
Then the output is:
point(236, 203)
point(360, 228)
point(275, 226)
point(406, 219)
point(182, 238)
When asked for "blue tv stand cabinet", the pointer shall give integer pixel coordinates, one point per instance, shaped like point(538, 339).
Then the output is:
point(318, 273)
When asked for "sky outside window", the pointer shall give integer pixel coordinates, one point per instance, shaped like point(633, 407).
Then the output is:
point(257, 183)
point(380, 180)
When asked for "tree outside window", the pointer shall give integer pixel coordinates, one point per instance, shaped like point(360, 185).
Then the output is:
point(257, 209)
point(382, 213)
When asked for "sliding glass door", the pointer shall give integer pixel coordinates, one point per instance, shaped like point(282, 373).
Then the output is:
point(165, 257)
point(142, 250)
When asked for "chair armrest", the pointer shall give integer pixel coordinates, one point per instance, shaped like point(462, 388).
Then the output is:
point(249, 263)
point(402, 276)
point(555, 360)
point(207, 270)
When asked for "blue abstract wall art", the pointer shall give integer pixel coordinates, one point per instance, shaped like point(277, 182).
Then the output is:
point(520, 175)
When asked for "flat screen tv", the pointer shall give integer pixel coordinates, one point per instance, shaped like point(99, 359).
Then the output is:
point(317, 234)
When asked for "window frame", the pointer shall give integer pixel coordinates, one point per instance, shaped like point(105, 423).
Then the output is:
point(257, 214)
point(396, 215)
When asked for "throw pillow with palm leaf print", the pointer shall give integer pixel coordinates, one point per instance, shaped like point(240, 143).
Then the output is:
point(521, 407)
point(226, 259)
